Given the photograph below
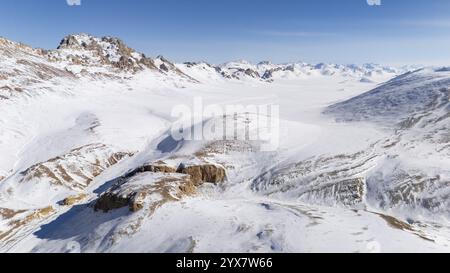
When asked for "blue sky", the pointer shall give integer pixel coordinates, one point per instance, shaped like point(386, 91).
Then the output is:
point(340, 31)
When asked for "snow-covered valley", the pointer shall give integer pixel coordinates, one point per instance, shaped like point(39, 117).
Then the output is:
point(88, 163)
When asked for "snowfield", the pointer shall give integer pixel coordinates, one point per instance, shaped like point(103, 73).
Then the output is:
point(88, 163)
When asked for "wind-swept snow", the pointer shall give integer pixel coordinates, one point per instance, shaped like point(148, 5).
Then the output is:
point(93, 128)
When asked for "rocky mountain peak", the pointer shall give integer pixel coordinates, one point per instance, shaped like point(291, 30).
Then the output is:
point(83, 40)
point(265, 63)
point(70, 41)
point(87, 50)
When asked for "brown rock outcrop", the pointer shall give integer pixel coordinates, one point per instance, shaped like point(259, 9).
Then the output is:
point(204, 173)
point(159, 167)
point(155, 184)
point(73, 200)
point(76, 169)
point(146, 190)
point(18, 219)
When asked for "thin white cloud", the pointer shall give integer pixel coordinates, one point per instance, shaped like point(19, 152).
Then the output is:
point(73, 2)
point(435, 23)
point(295, 33)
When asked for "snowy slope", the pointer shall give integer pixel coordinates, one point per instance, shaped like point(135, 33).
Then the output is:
point(88, 163)
point(412, 173)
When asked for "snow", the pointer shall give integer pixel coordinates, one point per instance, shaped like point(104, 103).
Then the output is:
point(131, 113)
point(203, 225)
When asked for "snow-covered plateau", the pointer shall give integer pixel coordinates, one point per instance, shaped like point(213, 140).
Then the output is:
point(88, 162)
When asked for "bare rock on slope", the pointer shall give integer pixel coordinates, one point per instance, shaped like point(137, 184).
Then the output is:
point(395, 185)
point(158, 167)
point(200, 172)
point(76, 169)
point(87, 50)
point(69, 42)
point(348, 192)
point(23, 67)
point(252, 73)
point(267, 75)
point(155, 167)
point(155, 184)
point(16, 220)
point(334, 180)
point(204, 173)
point(74, 199)
point(6, 214)
point(146, 191)
point(166, 66)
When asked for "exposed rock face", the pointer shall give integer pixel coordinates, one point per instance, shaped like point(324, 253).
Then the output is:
point(87, 50)
point(41, 213)
point(227, 75)
point(241, 73)
point(400, 187)
point(252, 73)
point(412, 172)
point(205, 173)
point(155, 167)
point(332, 180)
point(111, 201)
point(166, 66)
point(23, 67)
point(155, 184)
point(8, 213)
point(9, 48)
point(159, 167)
point(200, 173)
point(348, 192)
point(19, 219)
point(190, 64)
point(43, 71)
point(76, 169)
point(289, 68)
point(73, 200)
point(146, 190)
point(69, 42)
point(267, 75)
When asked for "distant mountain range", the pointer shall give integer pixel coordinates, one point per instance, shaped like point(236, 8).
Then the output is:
point(84, 55)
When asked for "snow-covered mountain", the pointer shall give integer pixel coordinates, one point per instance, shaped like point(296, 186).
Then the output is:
point(266, 71)
point(89, 164)
point(412, 171)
